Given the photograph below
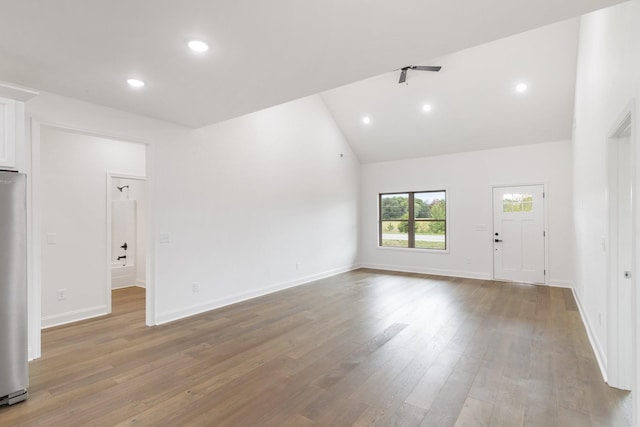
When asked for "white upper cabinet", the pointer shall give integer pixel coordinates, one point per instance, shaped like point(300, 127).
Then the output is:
point(12, 125)
point(7, 133)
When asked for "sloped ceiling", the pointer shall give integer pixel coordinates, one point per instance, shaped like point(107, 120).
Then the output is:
point(262, 53)
point(473, 99)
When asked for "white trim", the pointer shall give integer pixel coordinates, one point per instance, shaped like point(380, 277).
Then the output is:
point(8, 139)
point(74, 316)
point(601, 356)
point(17, 92)
point(34, 300)
point(619, 313)
point(173, 315)
point(150, 236)
point(83, 131)
point(135, 285)
point(415, 250)
point(432, 271)
point(33, 185)
point(108, 274)
point(125, 175)
point(566, 284)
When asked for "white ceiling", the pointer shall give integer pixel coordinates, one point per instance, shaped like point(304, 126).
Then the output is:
point(262, 53)
point(474, 102)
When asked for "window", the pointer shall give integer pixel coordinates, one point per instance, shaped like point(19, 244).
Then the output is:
point(517, 202)
point(413, 220)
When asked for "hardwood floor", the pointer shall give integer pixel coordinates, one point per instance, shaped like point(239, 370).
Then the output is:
point(361, 348)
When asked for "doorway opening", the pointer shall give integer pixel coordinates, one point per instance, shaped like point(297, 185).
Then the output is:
point(70, 170)
point(621, 270)
point(126, 242)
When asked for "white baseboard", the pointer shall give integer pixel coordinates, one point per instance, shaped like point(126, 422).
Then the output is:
point(133, 285)
point(141, 283)
point(601, 356)
point(173, 315)
point(567, 284)
point(433, 271)
point(73, 316)
point(113, 288)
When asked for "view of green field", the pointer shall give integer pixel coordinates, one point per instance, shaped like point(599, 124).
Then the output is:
point(429, 220)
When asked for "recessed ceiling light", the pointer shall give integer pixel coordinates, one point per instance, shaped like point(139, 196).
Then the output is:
point(522, 87)
point(366, 120)
point(426, 108)
point(135, 83)
point(198, 46)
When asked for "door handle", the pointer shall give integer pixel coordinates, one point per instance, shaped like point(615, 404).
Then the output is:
point(497, 240)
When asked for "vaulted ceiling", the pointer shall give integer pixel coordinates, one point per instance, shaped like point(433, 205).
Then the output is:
point(264, 53)
point(473, 100)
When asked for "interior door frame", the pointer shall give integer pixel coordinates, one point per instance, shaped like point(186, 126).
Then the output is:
point(545, 226)
point(620, 372)
point(34, 224)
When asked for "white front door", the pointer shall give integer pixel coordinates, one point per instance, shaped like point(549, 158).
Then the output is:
point(518, 234)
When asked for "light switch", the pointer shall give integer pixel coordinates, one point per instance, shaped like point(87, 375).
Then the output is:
point(52, 238)
point(165, 237)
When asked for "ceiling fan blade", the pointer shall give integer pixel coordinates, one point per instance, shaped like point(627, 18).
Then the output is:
point(426, 68)
point(403, 76)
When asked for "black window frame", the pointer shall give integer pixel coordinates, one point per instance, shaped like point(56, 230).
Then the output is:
point(411, 221)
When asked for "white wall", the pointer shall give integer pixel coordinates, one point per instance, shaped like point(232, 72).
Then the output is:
point(243, 201)
point(74, 209)
point(252, 205)
point(468, 179)
point(66, 112)
point(608, 80)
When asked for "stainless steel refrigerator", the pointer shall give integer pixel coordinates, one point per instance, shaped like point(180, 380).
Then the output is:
point(14, 375)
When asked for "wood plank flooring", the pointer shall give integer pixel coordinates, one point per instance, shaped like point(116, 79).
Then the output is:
point(361, 348)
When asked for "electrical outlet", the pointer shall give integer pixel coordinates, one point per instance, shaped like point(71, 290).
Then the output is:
point(195, 287)
point(468, 260)
point(61, 294)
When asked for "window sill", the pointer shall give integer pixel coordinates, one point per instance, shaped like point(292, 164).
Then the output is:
point(428, 251)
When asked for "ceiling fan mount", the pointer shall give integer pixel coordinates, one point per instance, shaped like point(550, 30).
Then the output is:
point(403, 73)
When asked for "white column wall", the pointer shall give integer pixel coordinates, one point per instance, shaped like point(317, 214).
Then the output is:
point(608, 81)
point(252, 205)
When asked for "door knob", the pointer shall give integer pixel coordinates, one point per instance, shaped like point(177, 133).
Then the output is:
point(497, 240)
